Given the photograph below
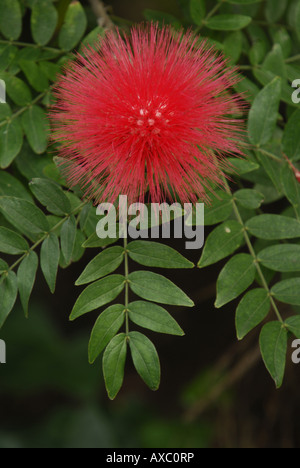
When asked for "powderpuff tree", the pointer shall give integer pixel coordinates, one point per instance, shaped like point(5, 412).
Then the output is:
point(149, 112)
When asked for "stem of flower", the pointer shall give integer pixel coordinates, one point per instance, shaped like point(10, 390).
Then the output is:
point(126, 287)
point(101, 14)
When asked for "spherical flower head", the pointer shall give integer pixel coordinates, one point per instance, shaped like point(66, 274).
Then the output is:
point(147, 114)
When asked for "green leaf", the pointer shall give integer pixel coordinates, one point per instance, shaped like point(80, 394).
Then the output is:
point(92, 38)
point(35, 76)
point(43, 21)
point(51, 196)
point(197, 11)
point(251, 311)
point(293, 325)
point(75, 201)
point(228, 22)
point(154, 254)
point(293, 73)
point(281, 36)
point(275, 10)
point(145, 359)
point(52, 172)
point(78, 250)
point(89, 226)
point(243, 2)
point(12, 187)
point(263, 113)
point(36, 128)
point(273, 346)
point(50, 254)
point(291, 137)
point(233, 46)
point(236, 276)
point(157, 288)
point(98, 294)
point(272, 168)
point(283, 257)
point(29, 165)
point(7, 55)
point(67, 237)
point(26, 278)
point(50, 70)
point(219, 210)
point(95, 242)
point(11, 242)
point(241, 166)
point(287, 291)
point(29, 54)
point(18, 91)
point(153, 317)
point(273, 227)
point(296, 18)
point(221, 242)
point(106, 327)
point(23, 215)
point(161, 17)
point(113, 364)
point(3, 266)
point(249, 198)
point(8, 294)
point(275, 63)
point(260, 44)
point(103, 264)
point(10, 19)
point(11, 141)
point(265, 77)
point(74, 26)
point(5, 112)
point(249, 89)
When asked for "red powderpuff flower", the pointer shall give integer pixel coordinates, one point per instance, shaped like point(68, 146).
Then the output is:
point(149, 112)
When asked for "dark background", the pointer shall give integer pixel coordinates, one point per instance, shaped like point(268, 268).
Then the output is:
point(215, 391)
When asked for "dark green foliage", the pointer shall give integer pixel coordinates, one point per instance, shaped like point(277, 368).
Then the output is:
point(43, 223)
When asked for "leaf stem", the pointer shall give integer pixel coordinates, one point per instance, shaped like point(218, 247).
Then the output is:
point(23, 109)
point(293, 59)
point(33, 46)
point(209, 15)
point(126, 286)
point(252, 252)
point(270, 155)
point(37, 243)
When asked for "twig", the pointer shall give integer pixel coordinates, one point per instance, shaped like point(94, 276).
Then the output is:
point(101, 14)
point(236, 374)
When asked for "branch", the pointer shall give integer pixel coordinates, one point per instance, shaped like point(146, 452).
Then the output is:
point(101, 14)
point(248, 361)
